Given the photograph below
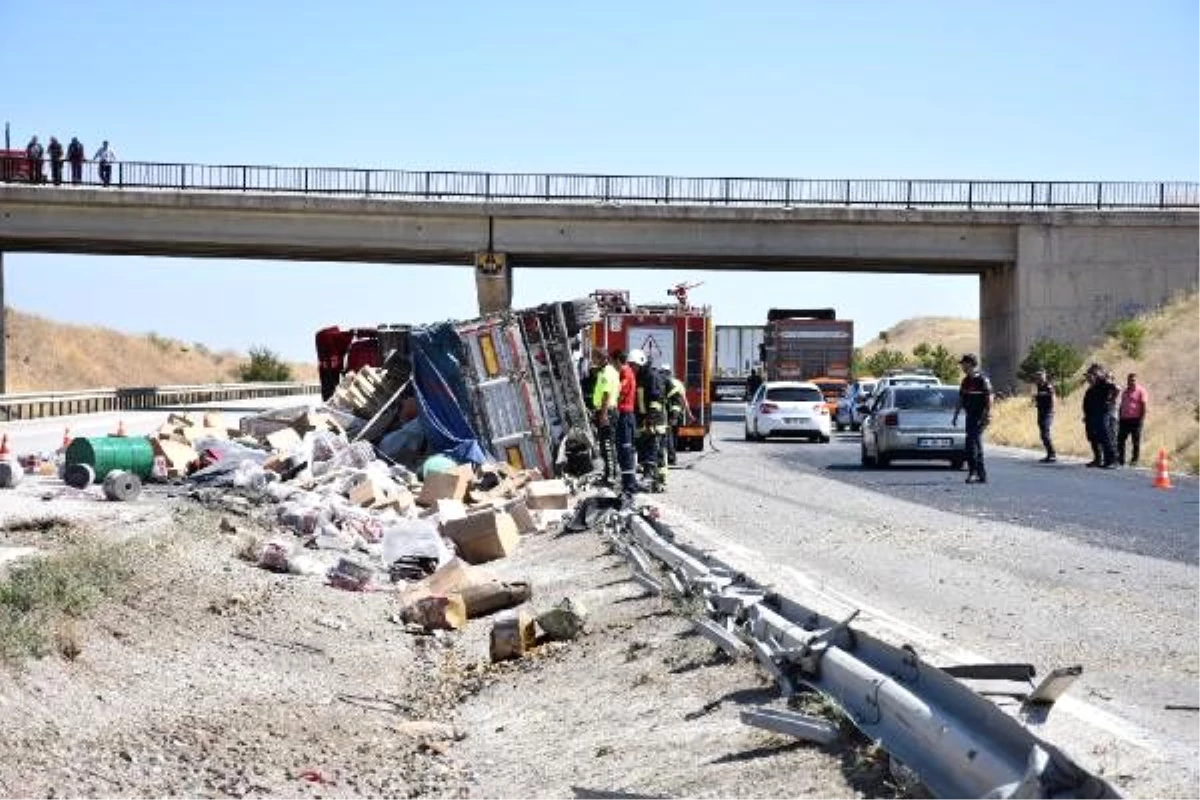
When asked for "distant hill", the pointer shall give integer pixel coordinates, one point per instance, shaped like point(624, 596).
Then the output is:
point(44, 355)
point(956, 334)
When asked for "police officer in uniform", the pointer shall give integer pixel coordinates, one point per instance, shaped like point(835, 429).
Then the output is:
point(1045, 400)
point(974, 397)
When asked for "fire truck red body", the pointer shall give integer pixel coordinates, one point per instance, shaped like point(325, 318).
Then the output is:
point(676, 334)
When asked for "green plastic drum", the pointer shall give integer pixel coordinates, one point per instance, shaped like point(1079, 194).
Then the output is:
point(107, 453)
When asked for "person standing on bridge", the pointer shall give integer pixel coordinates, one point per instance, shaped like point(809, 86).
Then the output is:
point(1133, 413)
point(75, 157)
point(33, 154)
point(974, 397)
point(105, 158)
point(55, 151)
point(1045, 398)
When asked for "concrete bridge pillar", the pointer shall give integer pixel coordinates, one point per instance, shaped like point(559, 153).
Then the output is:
point(1072, 280)
point(493, 282)
point(999, 325)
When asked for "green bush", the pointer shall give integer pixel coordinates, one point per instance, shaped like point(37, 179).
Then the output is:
point(161, 342)
point(885, 359)
point(1061, 362)
point(939, 360)
point(1130, 335)
point(264, 366)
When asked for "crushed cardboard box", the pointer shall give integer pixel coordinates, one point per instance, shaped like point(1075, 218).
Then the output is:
point(482, 537)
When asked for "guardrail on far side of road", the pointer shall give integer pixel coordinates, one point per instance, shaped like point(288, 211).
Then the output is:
point(34, 405)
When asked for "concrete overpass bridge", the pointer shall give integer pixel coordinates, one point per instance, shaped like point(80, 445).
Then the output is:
point(1056, 260)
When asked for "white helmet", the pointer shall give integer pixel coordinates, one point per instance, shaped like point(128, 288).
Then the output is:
point(636, 357)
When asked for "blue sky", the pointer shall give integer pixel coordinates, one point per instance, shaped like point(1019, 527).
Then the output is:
point(920, 89)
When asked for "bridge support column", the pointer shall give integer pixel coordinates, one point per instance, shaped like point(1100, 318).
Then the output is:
point(1072, 281)
point(493, 282)
point(999, 336)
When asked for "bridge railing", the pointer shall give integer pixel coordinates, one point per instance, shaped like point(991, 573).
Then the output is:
point(649, 189)
point(34, 405)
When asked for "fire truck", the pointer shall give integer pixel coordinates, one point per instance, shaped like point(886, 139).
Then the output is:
point(678, 334)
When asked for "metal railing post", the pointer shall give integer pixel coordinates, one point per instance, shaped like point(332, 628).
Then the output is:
point(1162, 195)
point(908, 196)
point(1050, 194)
point(245, 177)
point(121, 174)
point(970, 194)
point(1032, 194)
point(487, 185)
point(847, 192)
point(367, 182)
point(182, 176)
point(547, 187)
point(306, 180)
point(1099, 195)
point(428, 183)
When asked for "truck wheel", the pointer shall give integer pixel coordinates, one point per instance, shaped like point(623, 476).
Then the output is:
point(823, 439)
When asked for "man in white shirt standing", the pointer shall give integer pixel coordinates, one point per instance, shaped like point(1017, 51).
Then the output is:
point(105, 158)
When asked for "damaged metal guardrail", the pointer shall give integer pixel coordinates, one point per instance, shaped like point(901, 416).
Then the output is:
point(957, 742)
point(34, 405)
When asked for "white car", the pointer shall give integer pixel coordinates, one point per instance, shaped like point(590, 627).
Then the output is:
point(908, 379)
point(788, 408)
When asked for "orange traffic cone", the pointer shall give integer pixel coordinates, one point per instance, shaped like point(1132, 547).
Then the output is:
point(120, 428)
point(5, 455)
point(1162, 478)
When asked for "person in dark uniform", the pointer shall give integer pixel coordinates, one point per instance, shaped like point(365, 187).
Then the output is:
point(975, 398)
point(1096, 401)
point(1045, 399)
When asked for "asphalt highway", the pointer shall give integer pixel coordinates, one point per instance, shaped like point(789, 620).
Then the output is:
point(1116, 509)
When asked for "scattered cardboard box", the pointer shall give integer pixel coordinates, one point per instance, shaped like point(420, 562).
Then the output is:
point(542, 495)
point(376, 492)
point(176, 454)
point(446, 485)
point(483, 537)
point(522, 516)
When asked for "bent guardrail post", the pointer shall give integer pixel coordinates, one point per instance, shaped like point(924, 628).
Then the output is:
point(956, 741)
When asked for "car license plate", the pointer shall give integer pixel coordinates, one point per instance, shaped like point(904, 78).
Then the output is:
point(938, 442)
point(796, 420)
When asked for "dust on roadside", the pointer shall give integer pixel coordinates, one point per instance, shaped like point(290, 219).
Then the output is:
point(219, 678)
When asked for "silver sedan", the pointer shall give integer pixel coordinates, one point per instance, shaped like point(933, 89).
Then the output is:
point(913, 422)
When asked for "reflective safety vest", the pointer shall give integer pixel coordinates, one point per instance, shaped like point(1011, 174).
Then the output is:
point(608, 381)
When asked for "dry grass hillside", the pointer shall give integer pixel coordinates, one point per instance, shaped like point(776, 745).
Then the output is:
point(1168, 367)
point(957, 334)
point(44, 355)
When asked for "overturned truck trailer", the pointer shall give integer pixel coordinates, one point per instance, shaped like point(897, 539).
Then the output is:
point(502, 387)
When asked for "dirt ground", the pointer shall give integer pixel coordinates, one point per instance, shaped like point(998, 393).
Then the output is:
point(221, 679)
